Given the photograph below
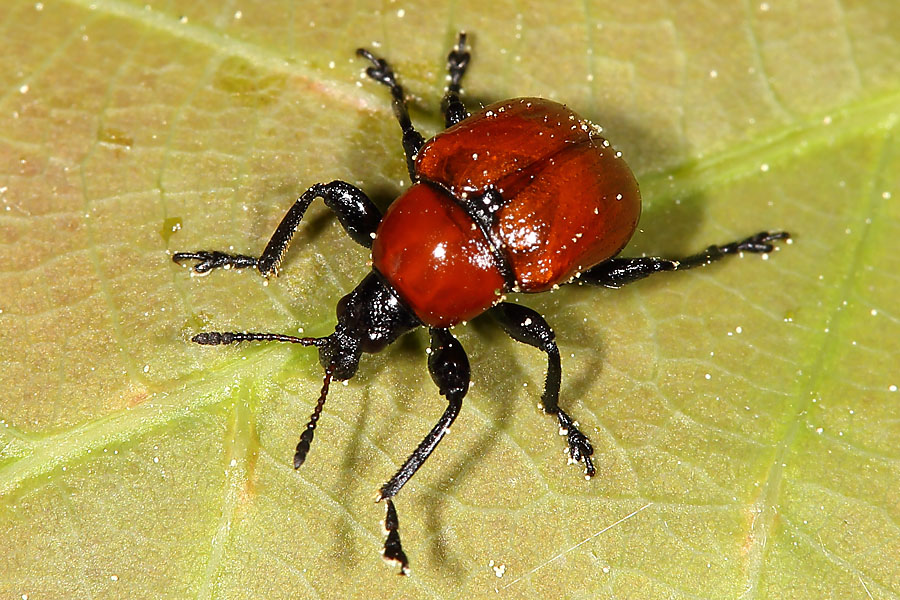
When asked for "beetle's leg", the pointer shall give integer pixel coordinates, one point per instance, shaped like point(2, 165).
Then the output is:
point(457, 61)
point(382, 72)
point(616, 272)
point(353, 208)
point(449, 369)
point(529, 327)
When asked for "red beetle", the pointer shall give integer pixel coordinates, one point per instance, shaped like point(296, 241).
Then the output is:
point(522, 196)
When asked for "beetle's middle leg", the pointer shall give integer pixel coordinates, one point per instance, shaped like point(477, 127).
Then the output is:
point(353, 208)
point(529, 327)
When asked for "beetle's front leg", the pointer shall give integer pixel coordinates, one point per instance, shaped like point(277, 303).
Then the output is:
point(449, 369)
point(529, 327)
point(359, 217)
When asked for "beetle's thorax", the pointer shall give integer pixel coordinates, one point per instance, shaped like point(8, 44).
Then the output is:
point(370, 318)
point(432, 252)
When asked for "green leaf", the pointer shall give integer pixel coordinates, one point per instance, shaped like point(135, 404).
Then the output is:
point(744, 416)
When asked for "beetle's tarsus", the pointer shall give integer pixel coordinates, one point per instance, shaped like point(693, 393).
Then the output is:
point(380, 70)
point(580, 448)
point(757, 244)
point(393, 550)
point(215, 260)
point(529, 327)
point(616, 272)
point(221, 338)
point(457, 62)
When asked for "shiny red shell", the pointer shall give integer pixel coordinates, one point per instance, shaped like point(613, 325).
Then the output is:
point(569, 202)
point(434, 256)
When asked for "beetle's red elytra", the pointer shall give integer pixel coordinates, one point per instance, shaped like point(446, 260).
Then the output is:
point(522, 196)
point(569, 201)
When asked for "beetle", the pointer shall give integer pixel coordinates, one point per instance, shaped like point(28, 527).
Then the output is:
point(522, 196)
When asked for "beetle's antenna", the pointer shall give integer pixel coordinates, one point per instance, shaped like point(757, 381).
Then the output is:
point(307, 436)
point(221, 338)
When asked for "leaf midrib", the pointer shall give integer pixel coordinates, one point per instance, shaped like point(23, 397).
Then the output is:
point(820, 365)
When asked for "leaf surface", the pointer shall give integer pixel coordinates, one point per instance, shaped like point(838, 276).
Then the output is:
point(744, 416)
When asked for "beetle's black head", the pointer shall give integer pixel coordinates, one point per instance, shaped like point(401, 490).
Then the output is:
point(370, 318)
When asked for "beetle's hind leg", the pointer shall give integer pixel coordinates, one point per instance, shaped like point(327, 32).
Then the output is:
point(529, 327)
point(616, 272)
point(353, 208)
point(382, 72)
point(457, 62)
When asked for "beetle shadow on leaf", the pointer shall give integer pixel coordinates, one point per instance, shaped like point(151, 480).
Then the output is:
point(379, 178)
point(578, 375)
point(349, 485)
point(669, 229)
point(668, 223)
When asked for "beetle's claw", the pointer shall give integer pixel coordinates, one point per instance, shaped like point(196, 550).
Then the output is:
point(380, 70)
point(459, 57)
point(207, 260)
point(461, 41)
point(393, 552)
point(580, 449)
point(761, 242)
